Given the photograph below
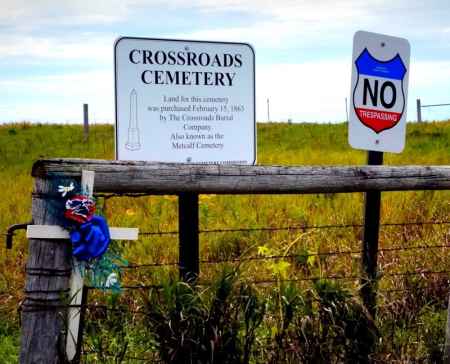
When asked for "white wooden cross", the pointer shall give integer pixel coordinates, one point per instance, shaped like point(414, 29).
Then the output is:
point(76, 279)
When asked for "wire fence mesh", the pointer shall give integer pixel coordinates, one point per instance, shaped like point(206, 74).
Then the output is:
point(397, 289)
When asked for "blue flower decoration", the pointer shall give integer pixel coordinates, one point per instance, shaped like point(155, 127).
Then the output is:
point(91, 239)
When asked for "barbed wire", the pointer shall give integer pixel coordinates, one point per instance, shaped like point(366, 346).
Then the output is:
point(337, 277)
point(38, 307)
point(282, 256)
point(107, 196)
point(294, 280)
point(295, 227)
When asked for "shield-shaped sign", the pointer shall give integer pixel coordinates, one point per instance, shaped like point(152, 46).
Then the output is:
point(379, 92)
point(379, 95)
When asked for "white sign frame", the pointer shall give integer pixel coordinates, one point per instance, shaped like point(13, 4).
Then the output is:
point(240, 143)
point(381, 127)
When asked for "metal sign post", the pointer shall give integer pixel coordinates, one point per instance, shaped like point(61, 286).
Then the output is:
point(377, 123)
point(372, 207)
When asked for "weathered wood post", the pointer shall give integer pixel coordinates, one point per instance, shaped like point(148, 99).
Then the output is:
point(189, 241)
point(47, 283)
point(52, 309)
point(85, 122)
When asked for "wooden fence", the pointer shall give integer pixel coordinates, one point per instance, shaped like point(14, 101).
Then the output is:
point(44, 313)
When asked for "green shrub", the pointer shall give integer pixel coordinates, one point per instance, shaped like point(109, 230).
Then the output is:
point(9, 341)
point(192, 324)
point(327, 325)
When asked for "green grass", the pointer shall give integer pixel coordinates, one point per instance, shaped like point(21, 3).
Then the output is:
point(9, 341)
point(279, 144)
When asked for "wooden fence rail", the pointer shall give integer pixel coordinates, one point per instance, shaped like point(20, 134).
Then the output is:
point(158, 178)
point(43, 313)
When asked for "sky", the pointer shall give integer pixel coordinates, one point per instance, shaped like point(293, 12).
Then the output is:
point(57, 55)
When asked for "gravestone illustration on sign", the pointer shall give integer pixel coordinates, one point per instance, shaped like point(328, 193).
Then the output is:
point(133, 141)
point(380, 71)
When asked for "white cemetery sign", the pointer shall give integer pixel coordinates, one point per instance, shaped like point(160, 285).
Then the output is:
point(185, 101)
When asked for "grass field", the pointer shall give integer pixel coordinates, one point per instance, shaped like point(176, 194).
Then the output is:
point(278, 144)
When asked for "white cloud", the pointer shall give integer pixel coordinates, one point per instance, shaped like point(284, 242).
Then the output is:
point(316, 91)
point(283, 24)
point(429, 74)
point(64, 96)
point(320, 23)
point(310, 91)
point(318, 10)
point(299, 90)
point(27, 15)
point(317, 15)
point(29, 48)
point(313, 91)
point(271, 24)
point(427, 81)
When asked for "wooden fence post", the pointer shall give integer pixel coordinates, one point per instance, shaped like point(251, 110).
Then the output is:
point(419, 111)
point(188, 236)
point(85, 122)
point(51, 330)
point(48, 270)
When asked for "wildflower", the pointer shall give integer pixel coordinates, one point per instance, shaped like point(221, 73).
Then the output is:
point(263, 250)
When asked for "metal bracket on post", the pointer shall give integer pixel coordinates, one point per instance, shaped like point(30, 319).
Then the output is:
point(10, 232)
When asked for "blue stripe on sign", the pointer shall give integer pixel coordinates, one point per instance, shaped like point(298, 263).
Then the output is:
point(366, 64)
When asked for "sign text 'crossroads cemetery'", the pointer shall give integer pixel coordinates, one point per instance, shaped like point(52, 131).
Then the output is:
point(185, 101)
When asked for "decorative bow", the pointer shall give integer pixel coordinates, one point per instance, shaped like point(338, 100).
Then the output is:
point(91, 239)
point(80, 209)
